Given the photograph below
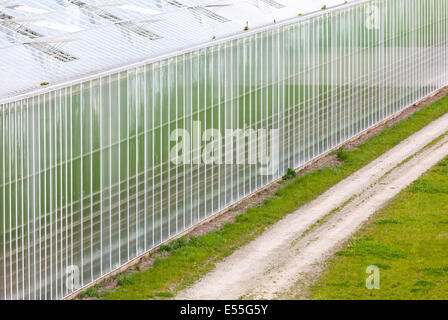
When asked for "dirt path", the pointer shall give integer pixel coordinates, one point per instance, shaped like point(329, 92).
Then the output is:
point(294, 250)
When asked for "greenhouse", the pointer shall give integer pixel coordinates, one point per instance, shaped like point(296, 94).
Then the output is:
point(124, 124)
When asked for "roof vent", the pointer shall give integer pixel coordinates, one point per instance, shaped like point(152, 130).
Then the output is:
point(209, 14)
point(273, 3)
point(131, 26)
point(176, 3)
point(126, 25)
point(11, 23)
point(51, 51)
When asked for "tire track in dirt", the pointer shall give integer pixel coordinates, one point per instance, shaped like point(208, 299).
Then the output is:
point(291, 250)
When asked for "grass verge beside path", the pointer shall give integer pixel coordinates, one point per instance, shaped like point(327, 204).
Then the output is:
point(408, 242)
point(189, 260)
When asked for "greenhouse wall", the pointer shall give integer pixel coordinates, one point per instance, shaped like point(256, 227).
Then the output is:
point(97, 173)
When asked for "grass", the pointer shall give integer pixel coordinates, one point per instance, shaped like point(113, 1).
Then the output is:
point(368, 246)
point(408, 242)
point(188, 261)
point(290, 174)
point(341, 154)
point(94, 292)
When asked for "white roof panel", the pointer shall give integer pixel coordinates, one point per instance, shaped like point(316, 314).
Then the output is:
point(57, 41)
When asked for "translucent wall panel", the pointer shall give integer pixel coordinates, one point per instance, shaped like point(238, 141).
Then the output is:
point(88, 176)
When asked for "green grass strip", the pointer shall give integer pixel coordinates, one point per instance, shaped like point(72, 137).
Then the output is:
point(408, 242)
point(189, 260)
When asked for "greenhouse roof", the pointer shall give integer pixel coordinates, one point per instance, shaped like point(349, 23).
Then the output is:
point(48, 43)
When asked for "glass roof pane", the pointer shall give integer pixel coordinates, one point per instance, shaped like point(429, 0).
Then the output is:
point(57, 41)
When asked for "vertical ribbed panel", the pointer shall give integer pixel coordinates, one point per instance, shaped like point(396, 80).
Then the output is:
point(86, 177)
